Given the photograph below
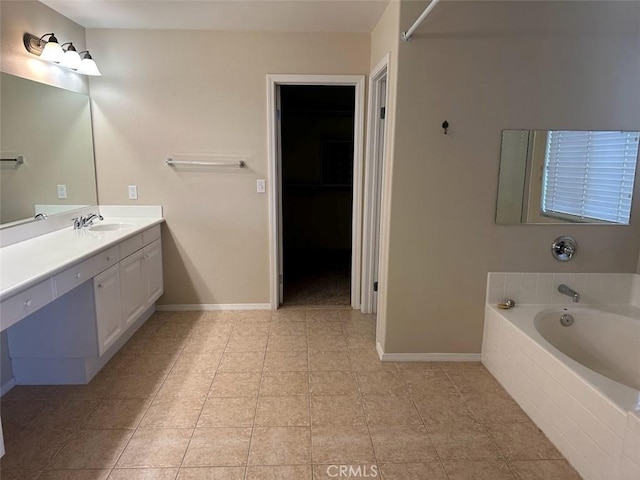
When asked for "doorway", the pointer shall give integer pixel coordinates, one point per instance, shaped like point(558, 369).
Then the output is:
point(315, 197)
point(316, 149)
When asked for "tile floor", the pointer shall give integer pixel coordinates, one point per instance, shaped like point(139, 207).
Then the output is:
point(298, 394)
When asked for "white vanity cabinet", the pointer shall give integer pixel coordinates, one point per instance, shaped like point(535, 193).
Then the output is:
point(106, 291)
point(133, 297)
point(153, 272)
point(140, 285)
point(92, 308)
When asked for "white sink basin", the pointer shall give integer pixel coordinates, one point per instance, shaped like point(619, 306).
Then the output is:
point(109, 227)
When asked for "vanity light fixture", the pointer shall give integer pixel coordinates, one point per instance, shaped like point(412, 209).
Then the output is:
point(51, 51)
point(87, 65)
point(71, 59)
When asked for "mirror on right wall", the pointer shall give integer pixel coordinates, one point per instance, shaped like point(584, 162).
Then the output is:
point(566, 176)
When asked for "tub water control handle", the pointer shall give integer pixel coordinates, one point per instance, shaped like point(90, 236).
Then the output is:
point(564, 248)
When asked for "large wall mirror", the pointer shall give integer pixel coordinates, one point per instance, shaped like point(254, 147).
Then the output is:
point(560, 176)
point(49, 130)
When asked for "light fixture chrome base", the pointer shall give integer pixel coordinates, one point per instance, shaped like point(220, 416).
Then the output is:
point(564, 248)
point(33, 44)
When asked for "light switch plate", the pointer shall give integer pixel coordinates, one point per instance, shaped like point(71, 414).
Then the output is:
point(261, 186)
point(133, 192)
point(62, 191)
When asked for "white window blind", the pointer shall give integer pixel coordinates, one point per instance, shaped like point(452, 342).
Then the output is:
point(589, 175)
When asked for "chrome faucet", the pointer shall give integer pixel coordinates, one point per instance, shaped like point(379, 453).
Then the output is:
point(89, 219)
point(80, 222)
point(565, 290)
point(40, 216)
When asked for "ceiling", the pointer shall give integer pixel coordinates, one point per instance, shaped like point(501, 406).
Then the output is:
point(246, 15)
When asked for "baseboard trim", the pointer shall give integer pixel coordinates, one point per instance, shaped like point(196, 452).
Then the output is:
point(7, 386)
point(212, 307)
point(427, 357)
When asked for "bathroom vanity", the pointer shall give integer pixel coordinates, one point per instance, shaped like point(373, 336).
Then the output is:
point(71, 298)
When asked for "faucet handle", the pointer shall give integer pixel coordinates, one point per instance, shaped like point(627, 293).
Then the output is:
point(77, 222)
point(564, 248)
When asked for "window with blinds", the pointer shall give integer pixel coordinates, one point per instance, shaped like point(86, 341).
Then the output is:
point(588, 176)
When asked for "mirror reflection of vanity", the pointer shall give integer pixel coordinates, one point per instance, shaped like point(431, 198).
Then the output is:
point(50, 129)
point(566, 176)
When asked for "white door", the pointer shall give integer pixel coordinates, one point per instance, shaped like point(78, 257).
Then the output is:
point(106, 287)
point(377, 193)
point(373, 188)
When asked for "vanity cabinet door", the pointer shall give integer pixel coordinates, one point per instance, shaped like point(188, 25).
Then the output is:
point(133, 287)
point(106, 287)
point(153, 271)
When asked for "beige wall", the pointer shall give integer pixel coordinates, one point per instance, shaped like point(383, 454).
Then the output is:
point(28, 16)
point(485, 67)
point(168, 92)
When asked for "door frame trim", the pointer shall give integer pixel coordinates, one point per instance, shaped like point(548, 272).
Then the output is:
point(357, 81)
point(374, 164)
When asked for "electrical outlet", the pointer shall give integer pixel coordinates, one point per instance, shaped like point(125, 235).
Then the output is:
point(62, 191)
point(261, 186)
point(133, 192)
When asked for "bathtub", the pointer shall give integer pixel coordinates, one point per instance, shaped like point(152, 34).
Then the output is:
point(606, 342)
point(580, 383)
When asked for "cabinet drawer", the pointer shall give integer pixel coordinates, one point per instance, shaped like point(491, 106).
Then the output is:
point(72, 277)
point(24, 303)
point(130, 245)
point(151, 235)
point(104, 260)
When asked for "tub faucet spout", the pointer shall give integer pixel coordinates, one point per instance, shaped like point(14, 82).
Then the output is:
point(565, 290)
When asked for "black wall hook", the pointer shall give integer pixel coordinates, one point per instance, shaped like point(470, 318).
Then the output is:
point(445, 125)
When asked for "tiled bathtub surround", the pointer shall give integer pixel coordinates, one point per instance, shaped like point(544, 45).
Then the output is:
point(607, 288)
point(288, 395)
point(599, 437)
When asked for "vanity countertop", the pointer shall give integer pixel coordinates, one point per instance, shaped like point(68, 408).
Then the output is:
point(25, 263)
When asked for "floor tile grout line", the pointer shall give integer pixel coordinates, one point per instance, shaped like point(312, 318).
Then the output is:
point(255, 413)
point(309, 396)
point(155, 395)
point(205, 397)
point(501, 456)
point(104, 397)
point(152, 399)
point(366, 420)
point(424, 425)
point(309, 372)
